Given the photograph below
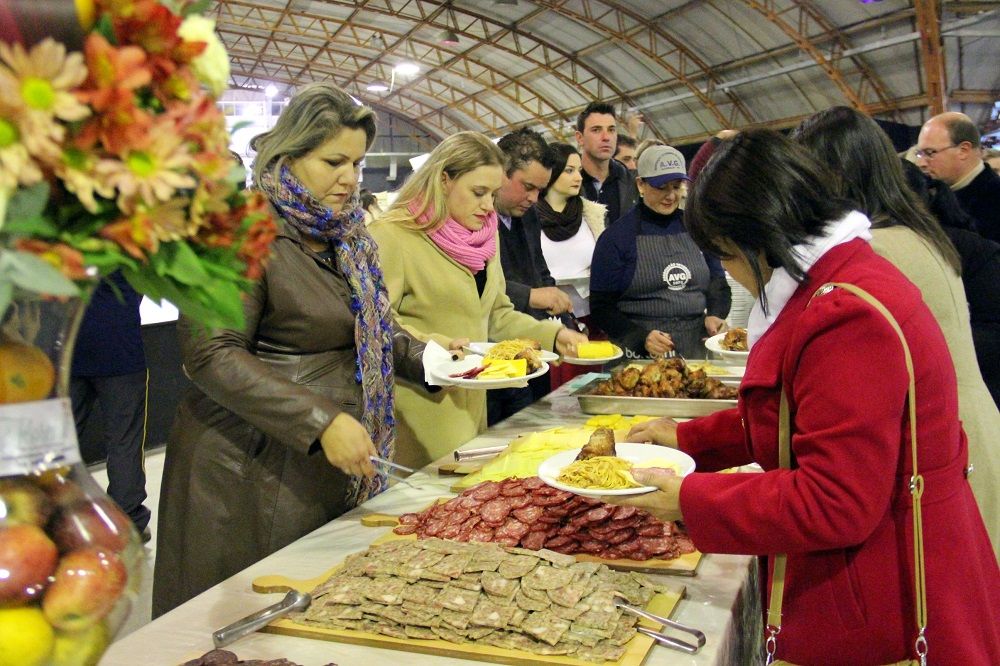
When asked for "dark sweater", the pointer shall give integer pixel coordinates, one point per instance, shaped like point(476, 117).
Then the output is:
point(619, 192)
point(613, 269)
point(981, 200)
point(110, 339)
point(523, 263)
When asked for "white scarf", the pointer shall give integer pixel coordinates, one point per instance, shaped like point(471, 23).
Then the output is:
point(781, 286)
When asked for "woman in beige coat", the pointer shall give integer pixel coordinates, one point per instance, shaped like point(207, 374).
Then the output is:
point(905, 233)
point(438, 246)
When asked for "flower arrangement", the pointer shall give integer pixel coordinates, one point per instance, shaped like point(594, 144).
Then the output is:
point(117, 158)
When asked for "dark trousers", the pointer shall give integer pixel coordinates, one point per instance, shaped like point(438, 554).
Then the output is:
point(122, 399)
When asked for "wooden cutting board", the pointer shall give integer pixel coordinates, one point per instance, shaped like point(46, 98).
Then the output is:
point(662, 604)
point(685, 565)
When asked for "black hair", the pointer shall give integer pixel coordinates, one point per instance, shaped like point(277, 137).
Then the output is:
point(560, 153)
point(626, 140)
point(367, 198)
point(737, 201)
point(594, 107)
point(869, 173)
point(522, 147)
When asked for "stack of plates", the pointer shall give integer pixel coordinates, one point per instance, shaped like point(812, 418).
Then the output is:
point(743, 300)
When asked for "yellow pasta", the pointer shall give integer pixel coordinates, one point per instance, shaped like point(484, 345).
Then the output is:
point(607, 472)
point(508, 349)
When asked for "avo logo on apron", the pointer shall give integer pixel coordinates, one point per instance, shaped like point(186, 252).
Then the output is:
point(676, 276)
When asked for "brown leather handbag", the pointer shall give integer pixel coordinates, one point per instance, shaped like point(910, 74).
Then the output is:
point(916, 488)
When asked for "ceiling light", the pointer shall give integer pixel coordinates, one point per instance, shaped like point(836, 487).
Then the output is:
point(271, 90)
point(407, 68)
point(377, 86)
point(448, 36)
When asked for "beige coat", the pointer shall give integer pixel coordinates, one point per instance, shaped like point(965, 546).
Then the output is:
point(943, 292)
point(435, 298)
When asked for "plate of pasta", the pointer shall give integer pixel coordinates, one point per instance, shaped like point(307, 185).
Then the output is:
point(509, 349)
point(611, 475)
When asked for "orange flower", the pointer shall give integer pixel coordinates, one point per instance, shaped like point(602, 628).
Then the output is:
point(134, 234)
point(112, 71)
point(68, 260)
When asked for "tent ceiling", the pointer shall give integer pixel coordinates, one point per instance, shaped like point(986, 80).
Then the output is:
point(691, 68)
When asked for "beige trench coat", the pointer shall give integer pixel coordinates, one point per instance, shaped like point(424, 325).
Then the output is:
point(244, 474)
point(435, 297)
point(945, 296)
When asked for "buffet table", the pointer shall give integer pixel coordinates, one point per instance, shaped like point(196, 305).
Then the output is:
point(722, 599)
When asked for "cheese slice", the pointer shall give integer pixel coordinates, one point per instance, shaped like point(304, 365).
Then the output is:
point(503, 369)
point(596, 350)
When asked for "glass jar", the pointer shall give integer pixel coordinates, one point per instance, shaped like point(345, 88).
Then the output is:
point(70, 559)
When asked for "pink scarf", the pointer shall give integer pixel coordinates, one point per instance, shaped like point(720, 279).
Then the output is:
point(472, 249)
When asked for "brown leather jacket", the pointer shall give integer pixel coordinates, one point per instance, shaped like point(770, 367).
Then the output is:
point(244, 474)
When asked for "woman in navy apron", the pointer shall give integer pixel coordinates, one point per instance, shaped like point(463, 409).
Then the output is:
point(651, 288)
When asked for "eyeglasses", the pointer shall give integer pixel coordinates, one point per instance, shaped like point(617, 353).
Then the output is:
point(929, 153)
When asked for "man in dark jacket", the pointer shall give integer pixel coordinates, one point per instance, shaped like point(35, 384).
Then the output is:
point(530, 286)
point(948, 149)
point(605, 179)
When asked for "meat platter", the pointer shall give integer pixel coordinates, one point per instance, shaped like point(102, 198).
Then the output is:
point(478, 601)
point(527, 513)
point(591, 403)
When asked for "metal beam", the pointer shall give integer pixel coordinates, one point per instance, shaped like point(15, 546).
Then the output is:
point(932, 54)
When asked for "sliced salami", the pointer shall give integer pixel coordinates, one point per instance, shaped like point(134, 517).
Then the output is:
point(409, 528)
point(533, 541)
point(409, 519)
point(519, 502)
point(495, 511)
point(513, 490)
point(528, 514)
point(599, 514)
point(623, 512)
point(513, 528)
point(485, 491)
point(532, 483)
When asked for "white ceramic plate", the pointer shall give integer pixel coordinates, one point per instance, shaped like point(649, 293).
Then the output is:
point(482, 348)
point(442, 371)
point(714, 344)
point(573, 360)
point(644, 455)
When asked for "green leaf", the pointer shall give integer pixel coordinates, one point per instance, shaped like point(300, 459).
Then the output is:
point(31, 273)
point(28, 202)
point(37, 226)
point(196, 7)
point(183, 264)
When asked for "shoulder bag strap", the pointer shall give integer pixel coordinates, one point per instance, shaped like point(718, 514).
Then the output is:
point(916, 488)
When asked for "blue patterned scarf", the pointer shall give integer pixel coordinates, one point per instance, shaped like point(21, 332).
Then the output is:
point(357, 258)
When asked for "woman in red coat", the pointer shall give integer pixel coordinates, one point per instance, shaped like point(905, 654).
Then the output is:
point(842, 513)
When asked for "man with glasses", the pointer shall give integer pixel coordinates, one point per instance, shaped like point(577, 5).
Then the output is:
point(948, 149)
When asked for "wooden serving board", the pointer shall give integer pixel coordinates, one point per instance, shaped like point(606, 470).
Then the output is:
point(685, 565)
point(662, 604)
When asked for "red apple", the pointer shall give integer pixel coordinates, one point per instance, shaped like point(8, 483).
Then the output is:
point(23, 503)
point(27, 559)
point(86, 587)
point(97, 522)
point(62, 490)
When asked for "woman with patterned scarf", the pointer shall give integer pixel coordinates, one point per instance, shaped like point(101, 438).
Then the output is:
point(274, 437)
point(438, 244)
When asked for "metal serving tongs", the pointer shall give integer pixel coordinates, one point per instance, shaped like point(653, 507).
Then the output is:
point(663, 639)
point(396, 477)
point(293, 601)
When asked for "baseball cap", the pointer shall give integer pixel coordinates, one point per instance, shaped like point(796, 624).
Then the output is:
point(658, 165)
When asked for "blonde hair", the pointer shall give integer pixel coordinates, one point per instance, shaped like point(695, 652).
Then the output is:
point(315, 113)
point(455, 156)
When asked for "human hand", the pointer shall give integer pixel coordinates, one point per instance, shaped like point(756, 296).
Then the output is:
point(551, 299)
point(664, 503)
point(662, 431)
point(347, 446)
point(658, 342)
point(714, 325)
point(456, 348)
point(567, 339)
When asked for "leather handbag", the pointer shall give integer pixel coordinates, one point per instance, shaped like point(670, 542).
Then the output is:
point(916, 488)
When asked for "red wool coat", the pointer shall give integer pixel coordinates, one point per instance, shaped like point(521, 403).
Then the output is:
point(842, 514)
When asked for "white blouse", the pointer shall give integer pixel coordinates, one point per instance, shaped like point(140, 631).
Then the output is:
point(569, 264)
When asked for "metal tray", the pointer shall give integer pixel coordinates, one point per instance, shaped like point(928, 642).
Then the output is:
point(613, 404)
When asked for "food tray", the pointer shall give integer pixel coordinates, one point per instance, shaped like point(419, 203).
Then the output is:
point(613, 404)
